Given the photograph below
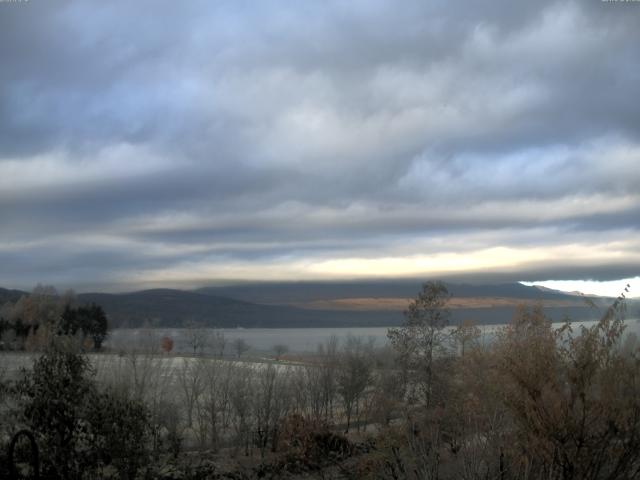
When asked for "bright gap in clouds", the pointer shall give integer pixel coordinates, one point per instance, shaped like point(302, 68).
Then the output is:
point(611, 288)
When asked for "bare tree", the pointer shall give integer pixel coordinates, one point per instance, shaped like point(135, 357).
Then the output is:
point(329, 360)
point(385, 397)
point(144, 375)
point(312, 378)
point(240, 402)
point(354, 376)
point(218, 343)
point(279, 350)
point(197, 337)
point(190, 379)
point(214, 405)
point(465, 335)
point(264, 400)
point(240, 346)
point(301, 390)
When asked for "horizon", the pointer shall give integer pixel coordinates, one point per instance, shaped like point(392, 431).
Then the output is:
point(609, 289)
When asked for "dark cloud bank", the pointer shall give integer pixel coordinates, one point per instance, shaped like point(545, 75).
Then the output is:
point(180, 143)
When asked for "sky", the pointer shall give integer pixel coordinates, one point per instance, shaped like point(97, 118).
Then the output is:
point(180, 144)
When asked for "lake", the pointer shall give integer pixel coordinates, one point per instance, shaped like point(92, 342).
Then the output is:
point(262, 340)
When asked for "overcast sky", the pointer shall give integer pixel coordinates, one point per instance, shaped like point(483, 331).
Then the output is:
point(152, 143)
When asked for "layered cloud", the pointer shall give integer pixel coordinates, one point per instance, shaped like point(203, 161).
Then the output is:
point(164, 143)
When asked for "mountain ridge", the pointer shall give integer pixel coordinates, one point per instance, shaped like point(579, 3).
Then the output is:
point(315, 304)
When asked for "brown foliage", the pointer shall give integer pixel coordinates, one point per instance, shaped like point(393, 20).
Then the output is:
point(574, 399)
point(166, 344)
point(309, 443)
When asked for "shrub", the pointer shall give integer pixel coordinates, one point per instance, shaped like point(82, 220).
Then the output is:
point(80, 430)
point(121, 428)
point(55, 397)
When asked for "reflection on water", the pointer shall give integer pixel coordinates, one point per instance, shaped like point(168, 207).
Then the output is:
point(263, 339)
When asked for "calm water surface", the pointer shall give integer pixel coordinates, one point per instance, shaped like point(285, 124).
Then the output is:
point(263, 339)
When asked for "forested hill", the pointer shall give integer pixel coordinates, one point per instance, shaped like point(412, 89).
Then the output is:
point(317, 304)
point(166, 307)
point(7, 295)
point(297, 292)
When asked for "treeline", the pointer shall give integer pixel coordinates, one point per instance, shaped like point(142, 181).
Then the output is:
point(532, 402)
point(30, 322)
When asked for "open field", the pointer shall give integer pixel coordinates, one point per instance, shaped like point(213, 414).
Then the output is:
point(209, 402)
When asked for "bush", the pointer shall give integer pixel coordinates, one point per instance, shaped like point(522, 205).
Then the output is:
point(308, 444)
point(121, 428)
point(79, 430)
point(574, 399)
point(55, 397)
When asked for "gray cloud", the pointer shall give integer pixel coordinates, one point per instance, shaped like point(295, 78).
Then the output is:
point(142, 138)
